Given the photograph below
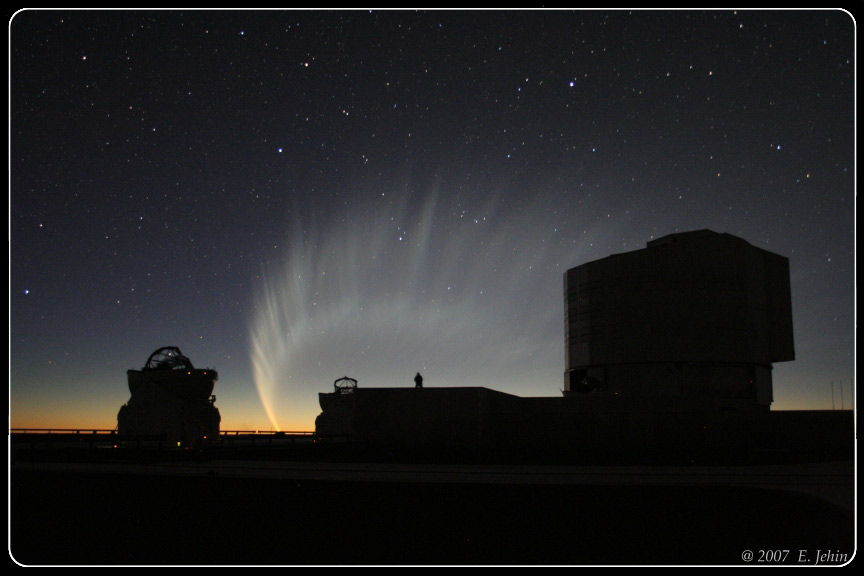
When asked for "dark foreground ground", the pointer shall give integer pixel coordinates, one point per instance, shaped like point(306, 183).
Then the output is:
point(107, 518)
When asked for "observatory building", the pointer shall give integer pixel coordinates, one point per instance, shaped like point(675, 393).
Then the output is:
point(696, 317)
point(171, 400)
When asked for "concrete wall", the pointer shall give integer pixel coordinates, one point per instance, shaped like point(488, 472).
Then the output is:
point(826, 432)
point(479, 423)
point(422, 419)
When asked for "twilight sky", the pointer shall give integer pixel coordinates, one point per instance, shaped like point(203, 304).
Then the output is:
point(292, 197)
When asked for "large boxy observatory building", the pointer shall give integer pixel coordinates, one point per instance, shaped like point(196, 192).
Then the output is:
point(696, 316)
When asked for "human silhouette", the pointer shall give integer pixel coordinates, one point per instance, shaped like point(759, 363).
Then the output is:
point(418, 381)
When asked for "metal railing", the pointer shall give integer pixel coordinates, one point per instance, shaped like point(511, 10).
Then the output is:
point(106, 431)
point(265, 433)
point(230, 437)
point(91, 437)
point(66, 431)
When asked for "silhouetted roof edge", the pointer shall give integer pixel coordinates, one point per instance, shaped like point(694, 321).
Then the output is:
point(677, 236)
point(428, 389)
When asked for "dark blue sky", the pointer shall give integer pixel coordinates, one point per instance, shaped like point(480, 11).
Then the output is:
point(292, 197)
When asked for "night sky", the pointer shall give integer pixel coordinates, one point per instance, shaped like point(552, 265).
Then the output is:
point(293, 197)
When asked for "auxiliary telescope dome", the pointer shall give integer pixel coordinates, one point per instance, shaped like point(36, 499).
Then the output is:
point(171, 400)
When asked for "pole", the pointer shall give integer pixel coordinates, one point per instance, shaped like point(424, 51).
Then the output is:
point(832, 395)
point(842, 407)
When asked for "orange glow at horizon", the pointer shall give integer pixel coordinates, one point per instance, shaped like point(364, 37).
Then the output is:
point(90, 417)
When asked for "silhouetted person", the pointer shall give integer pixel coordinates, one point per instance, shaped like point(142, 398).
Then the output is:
point(418, 381)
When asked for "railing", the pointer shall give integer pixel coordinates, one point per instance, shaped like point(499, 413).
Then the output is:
point(264, 433)
point(105, 431)
point(229, 437)
point(93, 437)
point(64, 437)
point(77, 431)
